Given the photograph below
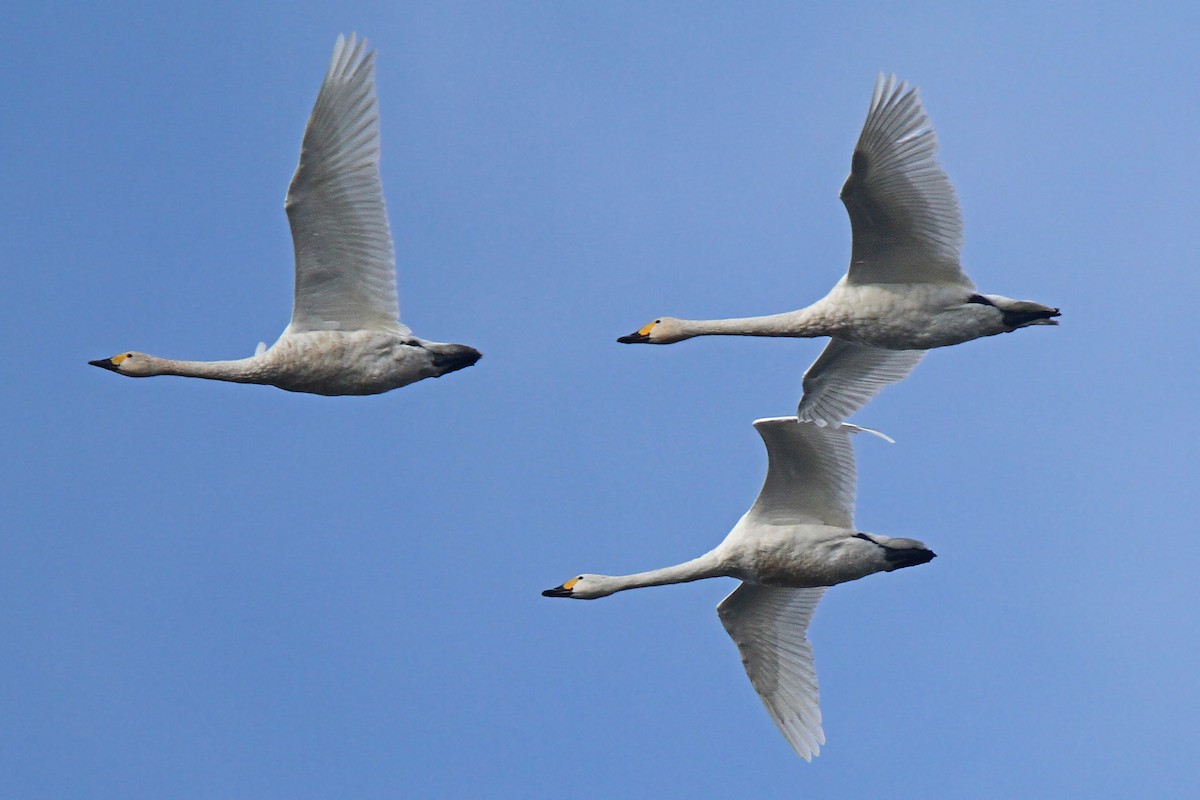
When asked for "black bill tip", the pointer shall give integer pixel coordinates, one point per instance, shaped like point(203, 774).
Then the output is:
point(104, 363)
point(557, 591)
point(634, 338)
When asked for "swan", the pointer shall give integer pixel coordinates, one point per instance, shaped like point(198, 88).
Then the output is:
point(345, 336)
point(905, 291)
point(797, 539)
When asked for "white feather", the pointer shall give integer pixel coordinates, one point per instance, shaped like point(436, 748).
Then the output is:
point(345, 263)
point(770, 627)
point(846, 376)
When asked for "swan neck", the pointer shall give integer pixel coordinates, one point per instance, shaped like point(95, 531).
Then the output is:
point(800, 323)
point(242, 370)
point(706, 566)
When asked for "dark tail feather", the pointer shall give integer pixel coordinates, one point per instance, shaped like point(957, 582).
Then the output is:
point(899, 553)
point(899, 558)
point(1019, 319)
point(1018, 313)
point(452, 357)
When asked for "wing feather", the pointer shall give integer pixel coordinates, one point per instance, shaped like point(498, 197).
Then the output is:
point(345, 262)
point(810, 474)
point(846, 376)
point(769, 626)
point(904, 215)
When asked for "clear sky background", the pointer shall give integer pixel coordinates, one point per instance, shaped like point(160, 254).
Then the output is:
point(222, 591)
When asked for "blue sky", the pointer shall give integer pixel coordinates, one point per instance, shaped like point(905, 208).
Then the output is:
point(223, 591)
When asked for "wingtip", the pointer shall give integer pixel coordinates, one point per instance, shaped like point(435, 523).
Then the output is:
point(823, 425)
point(862, 429)
point(772, 420)
point(348, 54)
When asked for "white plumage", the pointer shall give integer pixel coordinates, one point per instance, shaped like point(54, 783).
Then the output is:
point(770, 626)
point(904, 292)
point(345, 336)
point(797, 539)
point(345, 265)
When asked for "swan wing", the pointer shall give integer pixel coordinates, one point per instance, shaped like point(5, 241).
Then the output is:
point(904, 216)
point(345, 264)
point(810, 474)
point(846, 376)
point(769, 625)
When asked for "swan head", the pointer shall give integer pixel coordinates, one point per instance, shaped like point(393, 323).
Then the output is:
point(584, 587)
point(135, 365)
point(664, 330)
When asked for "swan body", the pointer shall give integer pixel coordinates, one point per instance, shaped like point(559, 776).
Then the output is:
point(797, 539)
point(905, 291)
point(345, 337)
point(317, 362)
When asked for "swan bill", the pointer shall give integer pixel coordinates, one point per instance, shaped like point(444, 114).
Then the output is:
point(641, 335)
point(113, 364)
point(566, 590)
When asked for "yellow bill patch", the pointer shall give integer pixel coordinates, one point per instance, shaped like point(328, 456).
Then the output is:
point(571, 583)
point(645, 330)
point(116, 360)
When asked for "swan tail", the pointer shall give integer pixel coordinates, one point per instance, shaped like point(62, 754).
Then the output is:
point(452, 357)
point(900, 553)
point(1020, 313)
point(909, 556)
point(1023, 313)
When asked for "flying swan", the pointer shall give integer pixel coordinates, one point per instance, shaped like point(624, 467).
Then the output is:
point(345, 336)
point(797, 539)
point(904, 292)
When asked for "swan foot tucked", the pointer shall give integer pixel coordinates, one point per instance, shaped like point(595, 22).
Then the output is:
point(900, 553)
point(453, 357)
point(1018, 313)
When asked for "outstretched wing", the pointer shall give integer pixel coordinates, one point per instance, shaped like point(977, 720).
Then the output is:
point(345, 264)
point(903, 213)
point(769, 626)
point(810, 474)
point(846, 376)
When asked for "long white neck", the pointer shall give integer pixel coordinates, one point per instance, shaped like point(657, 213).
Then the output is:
point(803, 323)
point(706, 566)
point(242, 370)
